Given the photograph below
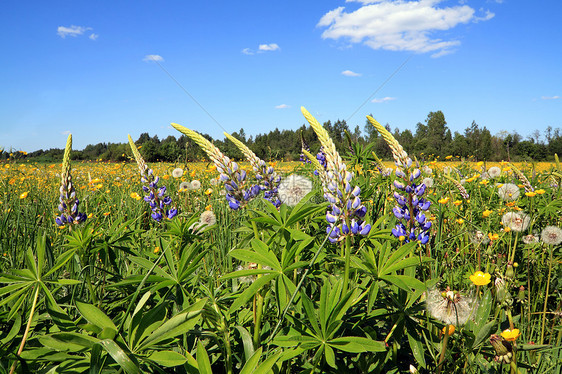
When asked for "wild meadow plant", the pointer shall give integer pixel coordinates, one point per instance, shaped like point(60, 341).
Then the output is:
point(340, 267)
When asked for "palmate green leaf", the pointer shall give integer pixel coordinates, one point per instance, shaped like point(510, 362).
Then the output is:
point(388, 265)
point(416, 346)
point(95, 316)
point(59, 316)
point(252, 362)
point(203, 362)
point(357, 344)
point(303, 209)
point(177, 325)
point(47, 355)
point(249, 292)
point(330, 356)
point(143, 325)
point(120, 356)
point(167, 358)
point(246, 342)
point(14, 330)
point(258, 258)
point(68, 341)
point(267, 366)
point(404, 282)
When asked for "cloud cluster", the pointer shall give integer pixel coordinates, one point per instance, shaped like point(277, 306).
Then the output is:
point(349, 73)
point(75, 31)
point(383, 100)
point(550, 97)
point(282, 106)
point(262, 48)
point(155, 58)
point(399, 25)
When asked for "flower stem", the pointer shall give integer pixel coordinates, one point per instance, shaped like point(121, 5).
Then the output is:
point(546, 295)
point(347, 261)
point(26, 333)
point(443, 350)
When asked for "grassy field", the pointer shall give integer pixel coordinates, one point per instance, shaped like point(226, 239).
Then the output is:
point(261, 288)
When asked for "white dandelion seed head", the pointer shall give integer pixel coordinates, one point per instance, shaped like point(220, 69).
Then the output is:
point(479, 237)
point(185, 186)
point(450, 307)
point(195, 184)
point(530, 239)
point(177, 172)
point(509, 192)
point(551, 235)
point(293, 188)
point(428, 182)
point(208, 218)
point(484, 176)
point(494, 172)
point(214, 182)
point(516, 221)
point(427, 170)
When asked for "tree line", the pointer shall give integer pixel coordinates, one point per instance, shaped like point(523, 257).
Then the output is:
point(431, 139)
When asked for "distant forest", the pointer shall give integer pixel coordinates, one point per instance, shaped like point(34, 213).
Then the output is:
point(431, 138)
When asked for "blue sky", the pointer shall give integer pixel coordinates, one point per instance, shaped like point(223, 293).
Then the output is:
point(98, 69)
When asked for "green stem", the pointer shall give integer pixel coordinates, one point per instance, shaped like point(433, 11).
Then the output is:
point(347, 261)
point(546, 294)
point(443, 350)
point(26, 333)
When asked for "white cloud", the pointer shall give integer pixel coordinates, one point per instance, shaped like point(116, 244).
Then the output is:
point(156, 58)
point(73, 30)
point(67, 132)
point(550, 97)
point(268, 47)
point(383, 100)
point(247, 51)
point(93, 36)
point(399, 25)
point(349, 73)
point(282, 106)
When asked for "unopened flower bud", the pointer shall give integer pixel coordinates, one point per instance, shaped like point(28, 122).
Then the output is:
point(509, 272)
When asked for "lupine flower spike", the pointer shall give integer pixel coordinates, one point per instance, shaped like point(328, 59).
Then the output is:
point(266, 175)
point(68, 206)
point(522, 178)
point(160, 204)
point(238, 194)
point(412, 206)
point(346, 214)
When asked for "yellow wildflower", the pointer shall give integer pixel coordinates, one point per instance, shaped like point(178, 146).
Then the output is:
point(484, 182)
point(135, 196)
point(486, 213)
point(107, 213)
point(157, 249)
point(24, 195)
point(208, 191)
point(540, 192)
point(510, 335)
point(444, 200)
point(460, 221)
point(480, 163)
point(449, 330)
point(530, 194)
point(507, 229)
point(457, 202)
point(480, 278)
point(493, 236)
point(90, 215)
point(448, 157)
point(209, 207)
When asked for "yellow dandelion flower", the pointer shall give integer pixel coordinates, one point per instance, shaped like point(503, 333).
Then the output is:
point(507, 229)
point(510, 335)
point(166, 177)
point(530, 194)
point(484, 182)
point(460, 221)
point(480, 163)
point(493, 236)
point(208, 191)
point(107, 213)
point(457, 202)
point(209, 207)
point(193, 173)
point(157, 249)
point(540, 192)
point(24, 195)
point(90, 215)
point(444, 200)
point(480, 278)
point(486, 213)
point(135, 196)
point(449, 330)
point(448, 157)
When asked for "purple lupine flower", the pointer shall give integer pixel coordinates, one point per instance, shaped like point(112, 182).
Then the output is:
point(156, 196)
point(413, 223)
